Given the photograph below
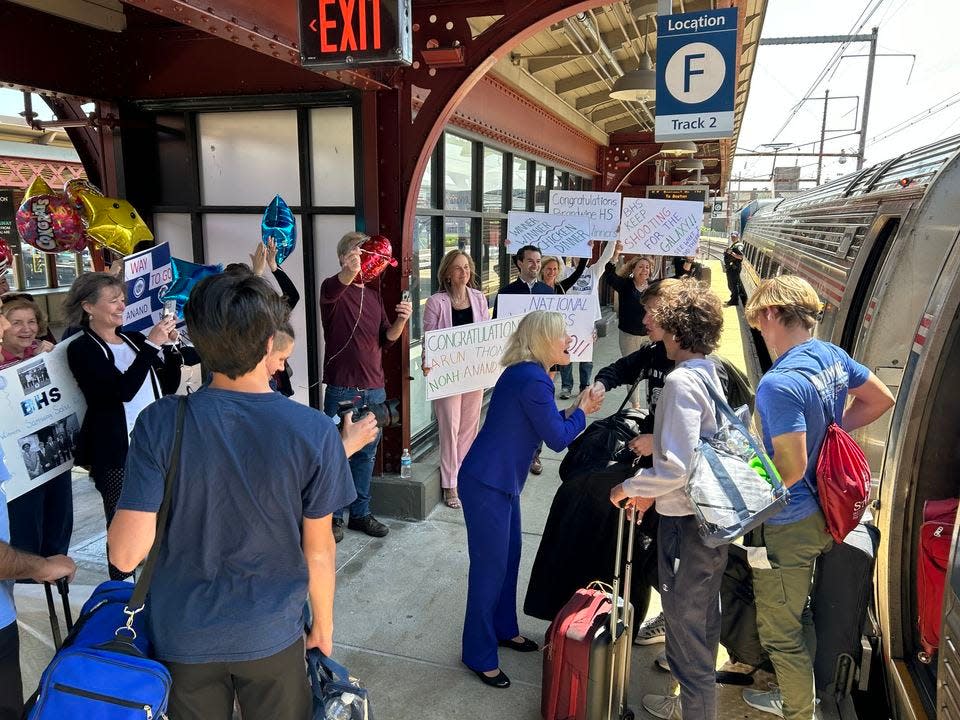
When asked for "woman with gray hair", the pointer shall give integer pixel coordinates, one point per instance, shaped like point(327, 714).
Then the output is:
point(119, 374)
point(522, 414)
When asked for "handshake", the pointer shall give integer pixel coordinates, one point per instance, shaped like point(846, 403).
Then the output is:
point(590, 399)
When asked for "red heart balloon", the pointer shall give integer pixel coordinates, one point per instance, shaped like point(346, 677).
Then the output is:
point(375, 254)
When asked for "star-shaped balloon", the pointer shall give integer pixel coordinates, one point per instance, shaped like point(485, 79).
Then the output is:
point(185, 276)
point(114, 223)
point(37, 187)
point(278, 223)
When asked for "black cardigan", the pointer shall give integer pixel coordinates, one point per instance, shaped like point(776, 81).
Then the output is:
point(103, 441)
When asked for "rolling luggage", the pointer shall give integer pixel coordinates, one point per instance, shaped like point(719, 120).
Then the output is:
point(936, 534)
point(586, 657)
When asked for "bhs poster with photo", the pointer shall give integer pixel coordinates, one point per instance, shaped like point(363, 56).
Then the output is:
point(41, 409)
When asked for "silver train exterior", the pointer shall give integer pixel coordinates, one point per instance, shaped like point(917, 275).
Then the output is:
point(882, 249)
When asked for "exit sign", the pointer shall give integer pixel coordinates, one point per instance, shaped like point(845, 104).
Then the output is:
point(338, 34)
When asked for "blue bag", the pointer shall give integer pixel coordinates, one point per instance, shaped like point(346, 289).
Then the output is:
point(103, 672)
point(330, 679)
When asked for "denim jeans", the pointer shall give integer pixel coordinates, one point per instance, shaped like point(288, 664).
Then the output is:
point(361, 462)
point(566, 375)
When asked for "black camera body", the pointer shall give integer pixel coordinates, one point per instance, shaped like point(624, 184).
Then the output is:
point(387, 414)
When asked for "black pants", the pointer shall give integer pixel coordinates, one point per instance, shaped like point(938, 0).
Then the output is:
point(109, 483)
point(11, 686)
point(272, 688)
point(41, 521)
point(736, 287)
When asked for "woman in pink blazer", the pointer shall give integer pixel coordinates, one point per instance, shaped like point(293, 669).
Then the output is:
point(458, 416)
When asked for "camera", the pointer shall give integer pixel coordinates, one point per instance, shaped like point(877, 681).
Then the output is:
point(387, 413)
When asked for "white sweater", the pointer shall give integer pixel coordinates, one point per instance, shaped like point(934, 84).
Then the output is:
point(595, 271)
point(685, 415)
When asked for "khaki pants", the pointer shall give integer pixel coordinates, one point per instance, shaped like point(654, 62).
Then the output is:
point(782, 592)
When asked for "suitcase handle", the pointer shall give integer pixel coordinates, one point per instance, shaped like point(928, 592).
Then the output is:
point(618, 674)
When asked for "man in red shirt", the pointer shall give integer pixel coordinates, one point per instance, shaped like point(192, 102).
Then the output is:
point(356, 330)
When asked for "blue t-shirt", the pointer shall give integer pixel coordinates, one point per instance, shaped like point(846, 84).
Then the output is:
point(8, 613)
point(789, 402)
point(231, 581)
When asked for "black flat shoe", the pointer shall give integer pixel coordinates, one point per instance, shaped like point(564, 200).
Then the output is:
point(525, 646)
point(498, 681)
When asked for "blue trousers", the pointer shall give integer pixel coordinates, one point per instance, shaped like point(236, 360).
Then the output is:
point(41, 521)
point(493, 543)
point(566, 375)
point(361, 462)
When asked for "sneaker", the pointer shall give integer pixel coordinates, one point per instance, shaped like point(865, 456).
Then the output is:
point(338, 529)
point(665, 707)
point(652, 631)
point(370, 525)
point(768, 701)
point(661, 662)
point(565, 393)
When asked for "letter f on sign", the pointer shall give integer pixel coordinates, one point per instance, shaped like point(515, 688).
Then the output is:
point(688, 71)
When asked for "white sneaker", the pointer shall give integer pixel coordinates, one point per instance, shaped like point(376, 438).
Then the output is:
point(665, 707)
point(768, 701)
point(652, 631)
point(661, 662)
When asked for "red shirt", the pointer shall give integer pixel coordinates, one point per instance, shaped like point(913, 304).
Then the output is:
point(7, 358)
point(352, 351)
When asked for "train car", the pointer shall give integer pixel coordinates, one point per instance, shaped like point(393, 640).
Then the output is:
point(882, 249)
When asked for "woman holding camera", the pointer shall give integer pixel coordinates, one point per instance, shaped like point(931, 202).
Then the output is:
point(458, 416)
point(119, 374)
point(41, 520)
point(522, 414)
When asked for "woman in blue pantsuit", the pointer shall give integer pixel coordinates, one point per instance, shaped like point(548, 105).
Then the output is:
point(522, 414)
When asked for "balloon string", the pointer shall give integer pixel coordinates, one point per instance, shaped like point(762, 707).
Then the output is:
point(352, 332)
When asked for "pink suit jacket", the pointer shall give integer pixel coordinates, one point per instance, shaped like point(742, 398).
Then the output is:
point(438, 312)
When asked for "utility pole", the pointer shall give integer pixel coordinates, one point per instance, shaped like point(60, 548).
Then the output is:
point(866, 100)
point(823, 134)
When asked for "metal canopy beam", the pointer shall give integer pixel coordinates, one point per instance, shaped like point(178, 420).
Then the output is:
point(815, 39)
point(588, 101)
point(575, 82)
point(615, 110)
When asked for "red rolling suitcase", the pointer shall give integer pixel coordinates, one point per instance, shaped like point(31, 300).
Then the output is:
point(586, 658)
point(936, 533)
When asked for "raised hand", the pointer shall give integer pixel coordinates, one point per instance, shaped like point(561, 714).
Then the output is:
point(258, 259)
point(272, 254)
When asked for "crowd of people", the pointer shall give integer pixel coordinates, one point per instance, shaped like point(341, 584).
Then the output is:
point(229, 624)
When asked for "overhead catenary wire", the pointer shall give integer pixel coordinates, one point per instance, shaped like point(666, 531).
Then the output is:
point(911, 121)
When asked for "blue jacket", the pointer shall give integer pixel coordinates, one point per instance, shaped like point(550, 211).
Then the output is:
point(522, 413)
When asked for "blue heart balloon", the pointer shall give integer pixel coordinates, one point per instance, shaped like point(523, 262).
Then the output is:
point(185, 276)
point(278, 223)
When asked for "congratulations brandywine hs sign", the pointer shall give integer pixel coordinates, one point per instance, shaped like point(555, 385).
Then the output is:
point(41, 409)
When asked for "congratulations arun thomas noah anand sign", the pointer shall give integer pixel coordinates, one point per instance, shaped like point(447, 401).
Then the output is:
point(696, 75)
point(466, 357)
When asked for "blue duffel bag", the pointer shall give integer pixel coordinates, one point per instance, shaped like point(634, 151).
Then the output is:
point(103, 672)
point(331, 682)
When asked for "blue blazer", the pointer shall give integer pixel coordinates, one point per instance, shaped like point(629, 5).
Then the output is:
point(522, 413)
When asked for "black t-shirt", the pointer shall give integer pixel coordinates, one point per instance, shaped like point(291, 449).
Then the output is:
point(462, 317)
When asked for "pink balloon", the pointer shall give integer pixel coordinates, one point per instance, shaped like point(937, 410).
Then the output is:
point(51, 224)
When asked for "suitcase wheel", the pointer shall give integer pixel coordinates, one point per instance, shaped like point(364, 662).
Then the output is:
point(628, 714)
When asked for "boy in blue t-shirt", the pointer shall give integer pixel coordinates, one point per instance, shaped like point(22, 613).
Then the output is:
point(249, 537)
point(799, 396)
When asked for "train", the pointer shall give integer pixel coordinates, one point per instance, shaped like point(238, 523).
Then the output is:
point(882, 249)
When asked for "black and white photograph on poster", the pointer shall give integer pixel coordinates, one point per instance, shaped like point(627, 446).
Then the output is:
point(33, 376)
point(49, 447)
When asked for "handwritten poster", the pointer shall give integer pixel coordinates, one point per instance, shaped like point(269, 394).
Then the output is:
point(580, 312)
point(603, 209)
point(41, 409)
point(660, 227)
point(466, 357)
point(562, 235)
point(147, 274)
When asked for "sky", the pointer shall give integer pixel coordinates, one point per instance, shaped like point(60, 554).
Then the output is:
point(784, 74)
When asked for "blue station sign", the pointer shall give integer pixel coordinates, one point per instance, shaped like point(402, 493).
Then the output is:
point(696, 75)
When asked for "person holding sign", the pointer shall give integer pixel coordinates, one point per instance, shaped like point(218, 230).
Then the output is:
point(458, 416)
point(629, 283)
point(41, 520)
point(522, 414)
point(119, 374)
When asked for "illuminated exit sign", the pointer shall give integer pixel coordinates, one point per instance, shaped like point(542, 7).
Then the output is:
point(337, 34)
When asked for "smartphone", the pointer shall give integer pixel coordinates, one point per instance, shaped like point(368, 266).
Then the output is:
point(405, 296)
point(169, 308)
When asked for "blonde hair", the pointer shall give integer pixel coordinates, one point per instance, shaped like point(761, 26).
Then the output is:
point(550, 258)
point(531, 341)
point(22, 303)
point(444, 270)
point(692, 313)
point(628, 267)
point(792, 296)
point(350, 241)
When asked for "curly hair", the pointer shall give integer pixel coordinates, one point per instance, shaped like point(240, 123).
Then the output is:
point(692, 313)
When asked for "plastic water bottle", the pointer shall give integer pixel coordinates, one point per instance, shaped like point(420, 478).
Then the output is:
point(339, 707)
point(406, 464)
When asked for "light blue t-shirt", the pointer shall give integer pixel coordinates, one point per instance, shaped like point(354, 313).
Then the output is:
point(788, 401)
point(8, 613)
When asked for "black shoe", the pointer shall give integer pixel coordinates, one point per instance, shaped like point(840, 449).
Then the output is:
point(338, 529)
point(536, 467)
point(497, 681)
point(565, 393)
point(525, 646)
point(732, 303)
point(370, 525)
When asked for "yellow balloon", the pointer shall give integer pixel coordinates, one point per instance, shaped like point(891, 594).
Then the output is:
point(37, 187)
point(114, 223)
